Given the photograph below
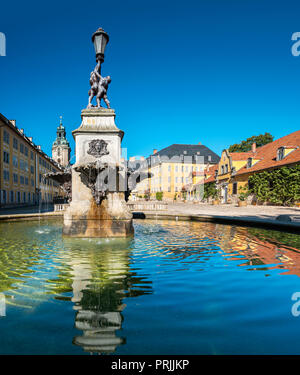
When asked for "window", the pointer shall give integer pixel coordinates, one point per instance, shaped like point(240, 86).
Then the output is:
point(186, 180)
point(226, 168)
point(15, 161)
point(22, 180)
point(22, 148)
point(11, 197)
point(26, 180)
point(4, 196)
point(6, 137)
point(32, 169)
point(19, 197)
point(222, 169)
point(249, 163)
point(32, 182)
point(234, 188)
point(15, 143)
point(28, 197)
point(24, 197)
point(169, 168)
point(176, 179)
point(280, 153)
point(5, 157)
point(26, 151)
point(5, 175)
point(31, 155)
point(176, 168)
point(209, 157)
point(15, 178)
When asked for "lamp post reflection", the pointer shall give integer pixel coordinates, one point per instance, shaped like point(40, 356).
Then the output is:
point(100, 279)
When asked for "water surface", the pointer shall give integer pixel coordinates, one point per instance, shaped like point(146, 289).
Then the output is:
point(175, 288)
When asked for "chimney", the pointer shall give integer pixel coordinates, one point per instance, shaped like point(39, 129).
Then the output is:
point(30, 138)
point(13, 122)
point(132, 158)
point(22, 131)
point(253, 147)
point(154, 151)
point(39, 147)
point(142, 158)
point(199, 143)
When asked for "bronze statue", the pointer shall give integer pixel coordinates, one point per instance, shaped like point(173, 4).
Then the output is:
point(99, 86)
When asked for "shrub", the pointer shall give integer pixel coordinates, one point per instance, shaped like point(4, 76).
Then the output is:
point(159, 195)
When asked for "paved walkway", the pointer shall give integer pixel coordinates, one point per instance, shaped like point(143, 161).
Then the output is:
point(262, 212)
point(27, 210)
point(272, 217)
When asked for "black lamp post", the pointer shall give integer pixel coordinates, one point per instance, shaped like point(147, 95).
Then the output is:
point(100, 39)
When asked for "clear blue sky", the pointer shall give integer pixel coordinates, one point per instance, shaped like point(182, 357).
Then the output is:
point(210, 71)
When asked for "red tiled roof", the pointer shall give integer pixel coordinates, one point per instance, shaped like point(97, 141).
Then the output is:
point(236, 156)
point(267, 154)
point(210, 171)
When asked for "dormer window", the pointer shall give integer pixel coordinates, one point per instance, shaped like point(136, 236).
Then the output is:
point(280, 153)
point(249, 163)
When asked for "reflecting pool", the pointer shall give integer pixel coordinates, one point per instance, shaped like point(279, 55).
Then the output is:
point(175, 288)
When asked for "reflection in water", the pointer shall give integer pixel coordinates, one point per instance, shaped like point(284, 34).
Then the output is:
point(99, 285)
point(98, 280)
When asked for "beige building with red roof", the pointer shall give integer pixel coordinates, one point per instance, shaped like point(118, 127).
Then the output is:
point(234, 169)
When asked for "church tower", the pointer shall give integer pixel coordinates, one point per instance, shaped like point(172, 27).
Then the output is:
point(61, 148)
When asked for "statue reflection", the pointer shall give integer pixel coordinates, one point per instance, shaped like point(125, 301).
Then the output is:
point(101, 279)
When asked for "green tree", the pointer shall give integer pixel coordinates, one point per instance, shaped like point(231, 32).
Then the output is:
point(246, 145)
point(210, 190)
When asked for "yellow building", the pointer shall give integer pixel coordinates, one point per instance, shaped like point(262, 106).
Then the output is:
point(235, 168)
point(174, 170)
point(22, 165)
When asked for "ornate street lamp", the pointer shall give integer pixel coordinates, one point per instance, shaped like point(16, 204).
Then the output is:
point(100, 39)
point(99, 84)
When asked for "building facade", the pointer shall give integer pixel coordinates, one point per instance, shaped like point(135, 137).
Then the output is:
point(22, 166)
point(173, 170)
point(234, 169)
point(61, 148)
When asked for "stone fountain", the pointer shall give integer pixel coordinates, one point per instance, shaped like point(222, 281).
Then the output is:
point(99, 177)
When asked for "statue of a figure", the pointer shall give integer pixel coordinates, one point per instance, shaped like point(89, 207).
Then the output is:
point(99, 86)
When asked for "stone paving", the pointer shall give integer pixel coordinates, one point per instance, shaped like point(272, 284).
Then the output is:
point(230, 210)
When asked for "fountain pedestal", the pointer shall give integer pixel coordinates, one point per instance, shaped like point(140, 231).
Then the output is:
point(98, 207)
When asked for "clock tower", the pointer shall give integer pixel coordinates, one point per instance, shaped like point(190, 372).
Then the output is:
point(61, 148)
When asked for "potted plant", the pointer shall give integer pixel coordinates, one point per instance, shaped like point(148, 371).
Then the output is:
point(243, 195)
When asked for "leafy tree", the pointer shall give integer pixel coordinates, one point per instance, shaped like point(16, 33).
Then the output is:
point(246, 145)
point(210, 190)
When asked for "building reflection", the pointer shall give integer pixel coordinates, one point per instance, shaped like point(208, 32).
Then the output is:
point(250, 246)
